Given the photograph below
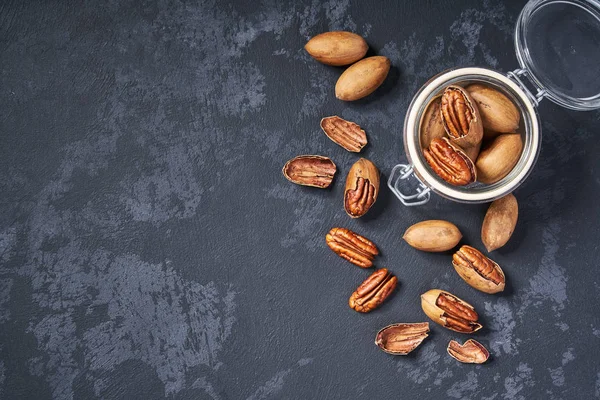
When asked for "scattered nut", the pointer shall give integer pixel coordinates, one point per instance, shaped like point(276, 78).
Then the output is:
point(433, 235)
point(499, 222)
point(362, 188)
point(373, 291)
point(337, 48)
point(352, 247)
point(316, 171)
point(401, 339)
point(449, 311)
point(362, 78)
point(478, 270)
point(472, 352)
point(345, 133)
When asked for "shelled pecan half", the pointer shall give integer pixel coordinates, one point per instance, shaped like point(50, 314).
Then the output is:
point(352, 247)
point(373, 291)
point(345, 133)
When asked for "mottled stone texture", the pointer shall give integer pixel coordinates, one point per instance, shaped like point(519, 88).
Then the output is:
point(151, 248)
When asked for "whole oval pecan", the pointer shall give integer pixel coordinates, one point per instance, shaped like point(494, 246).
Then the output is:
point(362, 188)
point(316, 171)
point(345, 133)
point(352, 247)
point(373, 291)
point(471, 352)
point(478, 270)
point(449, 311)
point(450, 163)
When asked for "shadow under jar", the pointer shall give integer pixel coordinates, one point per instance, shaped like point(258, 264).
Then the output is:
point(558, 47)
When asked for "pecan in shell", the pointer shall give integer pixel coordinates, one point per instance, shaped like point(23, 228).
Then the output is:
point(373, 291)
point(352, 247)
point(316, 171)
point(478, 271)
point(344, 133)
point(362, 188)
point(449, 311)
point(450, 162)
point(461, 119)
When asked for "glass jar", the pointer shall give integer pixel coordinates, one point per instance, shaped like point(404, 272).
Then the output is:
point(558, 47)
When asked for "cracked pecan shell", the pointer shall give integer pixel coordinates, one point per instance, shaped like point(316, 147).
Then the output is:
point(450, 311)
point(352, 247)
point(373, 291)
point(362, 188)
point(450, 162)
point(471, 352)
point(461, 119)
point(344, 133)
point(316, 171)
point(478, 270)
point(401, 339)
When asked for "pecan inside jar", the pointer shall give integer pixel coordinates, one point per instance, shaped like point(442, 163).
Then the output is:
point(373, 291)
point(450, 163)
point(457, 113)
point(352, 247)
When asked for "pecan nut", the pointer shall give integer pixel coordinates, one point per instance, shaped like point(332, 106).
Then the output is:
point(461, 118)
point(433, 235)
point(471, 352)
point(450, 162)
point(401, 339)
point(362, 188)
point(431, 126)
point(352, 247)
point(316, 171)
point(344, 133)
point(500, 222)
point(478, 270)
point(373, 291)
point(449, 311)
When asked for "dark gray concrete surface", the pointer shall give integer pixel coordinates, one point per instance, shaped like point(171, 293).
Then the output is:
point(150, 247)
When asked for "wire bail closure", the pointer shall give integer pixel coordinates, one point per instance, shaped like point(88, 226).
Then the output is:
point(401, 173)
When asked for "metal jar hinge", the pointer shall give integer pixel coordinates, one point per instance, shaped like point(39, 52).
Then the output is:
point(516, 76)
point(399, 177)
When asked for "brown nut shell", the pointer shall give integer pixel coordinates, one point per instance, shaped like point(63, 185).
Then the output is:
point(362, 78)
point(362, 188)
point(498, 112)
point(431, 126)
point(344, 133)
point(499, 222)
point(400, 339)
point(373, 291)
point(499, 158)
point(450, 162)
point(352, 247)
point(461, 119)
point(478, 271)
point(337, 48)
point(308, 170)
point(433, 235)
point(471, 352)
point(450, 311)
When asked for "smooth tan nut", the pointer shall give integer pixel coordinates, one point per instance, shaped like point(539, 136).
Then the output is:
point(450, 311)
point(400, 339)
point(461, 120)
point(352, 247)
point(344, 133)
point(431, 126)
point(337, 48)
point(309, 170)
point(433, 235)
point(362, 78)
point(373, 291)
point(450, 163)
point(499, 222)
point(478, 271)
point(471, 352)
point(362, 188)
point(499, 158)
point(498, 112)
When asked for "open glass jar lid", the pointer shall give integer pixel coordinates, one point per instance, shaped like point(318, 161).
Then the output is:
point(558, 47)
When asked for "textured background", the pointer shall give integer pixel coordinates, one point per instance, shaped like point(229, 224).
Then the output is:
point(150, 247)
